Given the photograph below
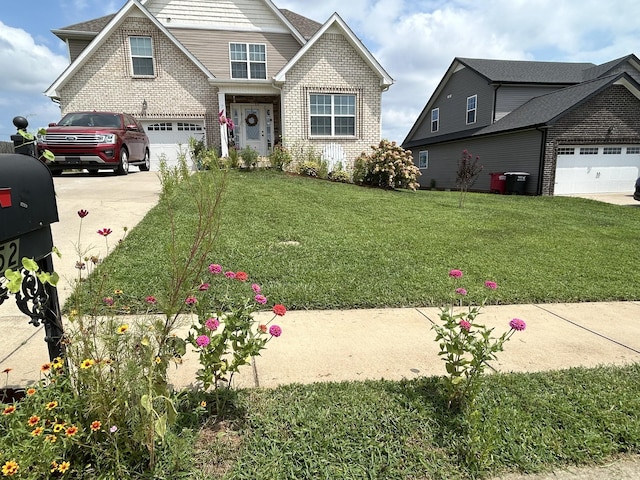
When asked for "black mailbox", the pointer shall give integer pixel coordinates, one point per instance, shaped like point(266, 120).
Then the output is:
point(27, 208)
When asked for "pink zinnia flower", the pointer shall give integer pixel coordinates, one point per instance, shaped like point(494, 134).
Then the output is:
point(191, 300)
point(108, 301)
point(204, 287)
point(212, 324)
point(279, 309)
point(113, 429)
point(517, 324)
point(256, 288)
point(461, 291)
point(83, 213)
point(465, 325)
point(491, 285)
point(230, 274)
point(242, 276)
point(455, 273)
point(151, 300)
point(261, 299)
point(215, 268)
point(262, 328)
point(203, 341)
point(104, 232)
point(275, 331)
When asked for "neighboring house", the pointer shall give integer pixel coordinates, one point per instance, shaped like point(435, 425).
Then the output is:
point(573, 127)
point(175, 64)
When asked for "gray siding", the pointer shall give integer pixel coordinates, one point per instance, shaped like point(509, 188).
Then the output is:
point(499, 153)
point(452, 103)
point(212, 48)
point(508, 97)
point(76, 47)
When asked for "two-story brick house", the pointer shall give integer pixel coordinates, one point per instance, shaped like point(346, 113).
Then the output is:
point(573, 127)
point(176, 65)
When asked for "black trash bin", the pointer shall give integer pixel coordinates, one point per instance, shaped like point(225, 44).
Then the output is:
point(516, 182)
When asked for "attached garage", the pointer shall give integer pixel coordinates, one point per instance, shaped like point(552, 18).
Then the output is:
point(596, 169)
point(171, 136)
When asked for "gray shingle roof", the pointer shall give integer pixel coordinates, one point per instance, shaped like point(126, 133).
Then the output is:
point(519, 71)
point(90, 26)
point(304, 25)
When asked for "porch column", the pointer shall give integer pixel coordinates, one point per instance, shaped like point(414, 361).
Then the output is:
point(224, 134)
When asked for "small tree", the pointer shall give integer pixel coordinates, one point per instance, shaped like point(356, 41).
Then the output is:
point(467, 174)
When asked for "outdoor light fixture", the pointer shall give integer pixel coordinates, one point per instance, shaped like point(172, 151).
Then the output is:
point(144, 107)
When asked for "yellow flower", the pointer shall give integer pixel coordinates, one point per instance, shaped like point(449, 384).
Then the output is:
point(54, 466)
point(33, 420)
point(203, 404)
point(58, 427)
point(118, 291)
point(51, 405)
point(57, 364)
point(31, 391)
point(10, 468)
point(9, 410)
point(37, 431)
point(87, 363)
point(51, 438)
point(71, 431)
point(95, 425)
point(64, 466)
point(122, 328)
point(45, 367)
point(158, 360)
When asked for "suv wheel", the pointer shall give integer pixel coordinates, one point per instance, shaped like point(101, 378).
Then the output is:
point(144, 167)
point(123, 166)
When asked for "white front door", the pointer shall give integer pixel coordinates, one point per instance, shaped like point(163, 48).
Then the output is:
point(253, 127)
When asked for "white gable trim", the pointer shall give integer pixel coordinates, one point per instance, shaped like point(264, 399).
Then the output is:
point(122, 14)
point(336, 22)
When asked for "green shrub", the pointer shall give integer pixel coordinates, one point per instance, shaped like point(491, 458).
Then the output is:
point(249, 157)
point(280, 157)
point(340, 176)
point(388, 166)
point(308, 168)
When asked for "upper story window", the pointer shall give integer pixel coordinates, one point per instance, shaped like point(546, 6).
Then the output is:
point(248, 60)
point(472, 106)
point(142, 56)
point(435, 120)
point(423, 159)
point(332, 115)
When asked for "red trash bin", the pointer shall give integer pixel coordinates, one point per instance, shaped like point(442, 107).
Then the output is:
point(498, 183)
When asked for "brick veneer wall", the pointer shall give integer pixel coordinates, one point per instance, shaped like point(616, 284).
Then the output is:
point(178, 90)
point(589, 125)
point(332, 66)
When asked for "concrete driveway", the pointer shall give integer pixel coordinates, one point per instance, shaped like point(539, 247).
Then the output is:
point(613, 198)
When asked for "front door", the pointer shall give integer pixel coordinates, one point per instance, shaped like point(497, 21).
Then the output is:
point(253, 127)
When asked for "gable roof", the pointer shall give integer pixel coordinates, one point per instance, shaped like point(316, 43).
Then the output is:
point(304, 25)
point(117, 19)
point(90, 28)
point(335, 20)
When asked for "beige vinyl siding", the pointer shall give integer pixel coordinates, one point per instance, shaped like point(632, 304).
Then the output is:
point(227, 14)
point(212, 48)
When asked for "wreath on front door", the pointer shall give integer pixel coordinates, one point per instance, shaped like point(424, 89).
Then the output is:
point(251, 120)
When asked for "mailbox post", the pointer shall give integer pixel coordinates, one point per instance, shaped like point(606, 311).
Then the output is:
point(27, 209)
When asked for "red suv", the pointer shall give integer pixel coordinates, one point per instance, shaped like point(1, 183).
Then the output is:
point(96, 141)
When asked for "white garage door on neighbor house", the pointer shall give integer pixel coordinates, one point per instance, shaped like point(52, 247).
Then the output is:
point(597, 169)
point(169, 137)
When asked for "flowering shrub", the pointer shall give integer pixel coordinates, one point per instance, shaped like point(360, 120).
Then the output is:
point(308, 169)
point(226, 335)
point(388, 166)
point(466, 346)
point(280, 157)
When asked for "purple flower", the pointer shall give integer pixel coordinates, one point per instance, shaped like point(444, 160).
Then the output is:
point(491, 285)
point(105, 232)
point(113, 429)
point(203, 341)
point(517, 324)
point(455, 273)
point(191, 300)
point(215, 268)
point(83, 213)
point(212, 324)
point(275, 330)
point(261, 299)
point(461, 291)
point(108, 301)
point(465, 325)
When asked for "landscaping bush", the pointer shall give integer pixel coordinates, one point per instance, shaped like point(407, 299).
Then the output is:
point(280, 157)
point(388, 166)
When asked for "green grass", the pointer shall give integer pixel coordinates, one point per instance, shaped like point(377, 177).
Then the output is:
point(361, 247)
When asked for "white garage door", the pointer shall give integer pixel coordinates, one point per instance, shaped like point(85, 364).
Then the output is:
point(169, 137)
point(597, 169)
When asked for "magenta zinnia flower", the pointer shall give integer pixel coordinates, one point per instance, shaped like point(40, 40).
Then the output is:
point(230, 274)
point(203, 341)
point(465, 325)
point(275, 330)
point(212, 324)
point(256, 288)
point(261, 299)
point(204, 287)
point(108, 301)
point(104, 232)
point(83, 213)
point(215, 268)
point(517, 324)
point(455, 273)
point(151, 300)
point(461, 291)
point(191, 300)
point(491, 285)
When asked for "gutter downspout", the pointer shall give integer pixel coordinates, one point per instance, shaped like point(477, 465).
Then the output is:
point(543, 148)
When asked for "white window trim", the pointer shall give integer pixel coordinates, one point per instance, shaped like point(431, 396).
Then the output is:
point(247, 61)
point(437, 120)
point(474, 110)
point(424, 157)
point(131, 57)
point(333, 115)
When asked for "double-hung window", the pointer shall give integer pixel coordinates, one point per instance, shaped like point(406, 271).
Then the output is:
point(333, 115)
point(435, 120)
point(423, 159)
point(248, 60)
point(142, 56)
point(472, 107)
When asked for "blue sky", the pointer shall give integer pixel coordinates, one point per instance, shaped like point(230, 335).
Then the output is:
point(414, 40)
